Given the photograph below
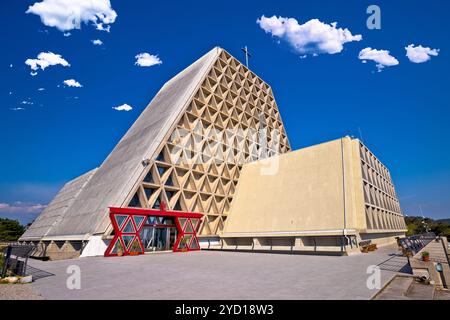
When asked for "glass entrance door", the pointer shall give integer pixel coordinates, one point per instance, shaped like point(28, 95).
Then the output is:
point(158, 238)
point(161, 239)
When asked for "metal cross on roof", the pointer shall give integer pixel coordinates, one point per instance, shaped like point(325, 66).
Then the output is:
point(247, 55)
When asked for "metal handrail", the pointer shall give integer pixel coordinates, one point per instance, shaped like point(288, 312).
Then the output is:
point(413, 244)
point(13, 254)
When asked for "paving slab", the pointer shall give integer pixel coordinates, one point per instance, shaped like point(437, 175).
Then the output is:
point(19, 292)
point(216, 275)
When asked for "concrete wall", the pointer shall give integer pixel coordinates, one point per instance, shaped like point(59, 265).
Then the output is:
point(313, 198)
point(305, 193)
point(57, 250)
point(382, 239)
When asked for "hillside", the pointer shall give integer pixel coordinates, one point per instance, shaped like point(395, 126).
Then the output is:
point(417, 225)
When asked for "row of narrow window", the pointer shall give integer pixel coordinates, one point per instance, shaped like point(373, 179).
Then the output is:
point(382, 220)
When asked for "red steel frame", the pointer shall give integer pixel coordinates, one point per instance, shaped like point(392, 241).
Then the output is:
point(133, 212)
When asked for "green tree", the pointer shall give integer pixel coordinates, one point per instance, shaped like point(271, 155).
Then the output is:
point(418, 225)
point(10, 230)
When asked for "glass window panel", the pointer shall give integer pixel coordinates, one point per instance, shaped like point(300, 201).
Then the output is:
point(129, 228)
point(182, 244)
point(187, 238)
point(168, 221)
point(194, 244)
point(120, 219)
point(194, 222)
point(127, 240)
point(182, 222)
point(161, 239)
point(147, 237)
point(138, 220)
point(189, 228)
point(151, 220)
point(172, 237)
point(117, 246)
point(136, 247)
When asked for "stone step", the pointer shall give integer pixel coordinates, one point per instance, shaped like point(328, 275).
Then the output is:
point(420, 291)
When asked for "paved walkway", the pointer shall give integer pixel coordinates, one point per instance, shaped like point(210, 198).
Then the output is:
point(217, 275)
point(18, 292)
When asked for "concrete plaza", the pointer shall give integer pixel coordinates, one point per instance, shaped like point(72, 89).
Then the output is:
point(217, 275)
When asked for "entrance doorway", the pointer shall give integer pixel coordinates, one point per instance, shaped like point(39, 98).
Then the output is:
point(158, 234)
point(137, 231)
point(156, 238)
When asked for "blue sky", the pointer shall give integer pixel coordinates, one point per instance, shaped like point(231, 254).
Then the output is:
point(402, 112)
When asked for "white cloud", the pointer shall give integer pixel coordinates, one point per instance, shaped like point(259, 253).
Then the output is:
point(312, 37)
point(101, 27)
point(381, 57)
point(67, 34)
point(97, 42)
point(44, 60)
point(124, 107)
point(69, 14)
point(27, 102)
point(420, 54)
point(41, 89)
point(147, 60)
point(16, 109)
point(21, 207)
point(11, 65)
point(72, 83)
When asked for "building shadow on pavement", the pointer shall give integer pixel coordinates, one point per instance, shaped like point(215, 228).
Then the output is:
point(38, 273)
point(396, 263)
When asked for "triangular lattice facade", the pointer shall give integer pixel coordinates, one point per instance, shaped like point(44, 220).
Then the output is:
point(186, 148)
point(231, 119)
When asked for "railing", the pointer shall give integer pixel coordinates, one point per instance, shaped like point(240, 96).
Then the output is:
point(15, 258)
point(413, 244)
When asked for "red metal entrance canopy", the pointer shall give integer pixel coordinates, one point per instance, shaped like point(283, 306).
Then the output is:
point(128, 223)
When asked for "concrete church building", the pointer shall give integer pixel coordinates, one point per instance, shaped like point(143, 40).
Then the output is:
point(208, 165)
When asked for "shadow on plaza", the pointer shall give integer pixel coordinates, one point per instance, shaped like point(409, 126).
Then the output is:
point(396, 263)
point(38, 273)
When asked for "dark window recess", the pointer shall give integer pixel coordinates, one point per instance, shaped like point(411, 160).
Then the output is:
point(160, 157)
point(169, 195)
point(177, 206)
point(148, 192)
point(157, 204)
point(168, 221)
point(77, 245)
point(169, 181)
point(149, 177)
point(135, 201)
point(59, 244)
point(161, 171)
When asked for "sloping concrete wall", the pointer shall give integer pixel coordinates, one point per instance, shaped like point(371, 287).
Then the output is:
point(54, 213)
point(115, 178)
